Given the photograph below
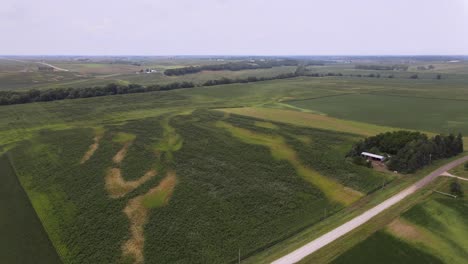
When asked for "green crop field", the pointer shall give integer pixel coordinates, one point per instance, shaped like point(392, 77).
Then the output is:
point(435, 115)
point(384, 248)
point(214, 184)
point(198, 175)
point(23, 238)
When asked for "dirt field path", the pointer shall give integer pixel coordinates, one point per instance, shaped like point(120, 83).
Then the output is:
point(50, 65)
point(453, 176)
point(92, 148)
point(336, 233)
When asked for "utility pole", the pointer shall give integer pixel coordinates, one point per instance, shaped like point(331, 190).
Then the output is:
point(239, 255)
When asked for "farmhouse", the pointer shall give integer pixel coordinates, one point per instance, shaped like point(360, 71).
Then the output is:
point(372, 156)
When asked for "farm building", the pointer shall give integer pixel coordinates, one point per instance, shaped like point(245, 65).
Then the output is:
point(372, 156)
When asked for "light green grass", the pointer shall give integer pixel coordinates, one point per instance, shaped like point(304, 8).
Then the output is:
point(122, 137)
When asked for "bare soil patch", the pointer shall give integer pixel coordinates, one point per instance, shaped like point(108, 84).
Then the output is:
point(137, 214)
point(121, 154)
point(92, 148)
point(138, 217)
point(116, 185)
point(405, 230)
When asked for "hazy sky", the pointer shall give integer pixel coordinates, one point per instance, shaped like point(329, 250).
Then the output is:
point(236, 27)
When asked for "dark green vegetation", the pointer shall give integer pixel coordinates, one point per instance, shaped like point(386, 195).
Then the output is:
point(408, 150)
point(456, 188)
point(384, 248)
point(401, 67)
point(23, 239)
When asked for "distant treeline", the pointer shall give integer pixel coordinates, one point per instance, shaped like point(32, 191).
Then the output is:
point(408, 151)
point(231, 66)
point(396, 67)
point(31, 96)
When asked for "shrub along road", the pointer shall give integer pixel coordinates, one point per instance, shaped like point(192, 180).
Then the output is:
point(336, 233)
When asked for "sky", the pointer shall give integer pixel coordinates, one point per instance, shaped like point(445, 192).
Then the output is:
point(234, 27)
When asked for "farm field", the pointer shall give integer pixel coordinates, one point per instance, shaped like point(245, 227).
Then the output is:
point(433, 231)
point(200, 174)
point(435, 115)
point(214, 185)
point(24, 240)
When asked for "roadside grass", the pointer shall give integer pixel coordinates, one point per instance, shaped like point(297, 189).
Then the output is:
point(24, 239)
point(310, 120)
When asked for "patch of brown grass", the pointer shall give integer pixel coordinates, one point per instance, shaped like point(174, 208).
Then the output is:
point(92, 148)
point(121, 154)
point(137, 214)
point(405, 230)
point(116, 185)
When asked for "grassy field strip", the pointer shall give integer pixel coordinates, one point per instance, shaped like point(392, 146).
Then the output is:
point(310, 119)
point(281, 151)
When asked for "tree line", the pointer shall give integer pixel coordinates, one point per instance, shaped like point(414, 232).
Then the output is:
point(397, 67)
point(408, 151)
point(34, 95)
point(231, 66)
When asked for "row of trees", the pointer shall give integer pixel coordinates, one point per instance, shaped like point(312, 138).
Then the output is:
point(231, 66)
point(31, 96)
point(409, 151)
point(397, 67)
point(419, 153)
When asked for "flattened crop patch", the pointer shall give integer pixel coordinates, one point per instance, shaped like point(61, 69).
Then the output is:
point(117, 187)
